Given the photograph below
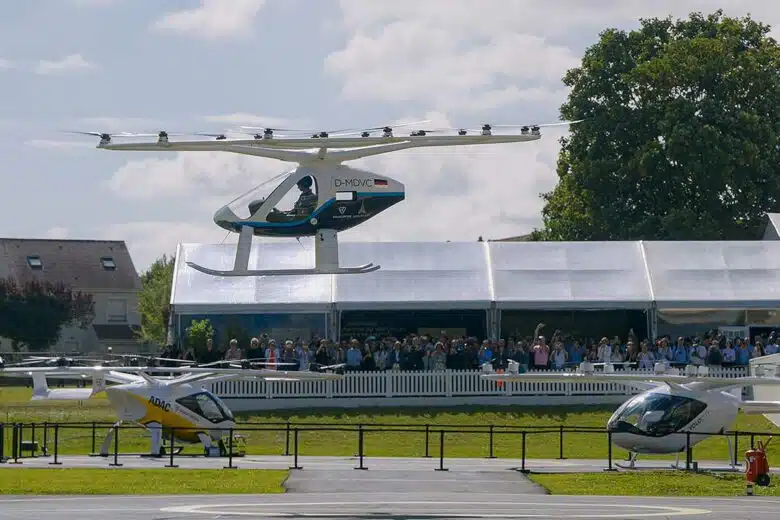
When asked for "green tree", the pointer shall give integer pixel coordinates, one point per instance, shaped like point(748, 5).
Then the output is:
point(154, 300)
point(197, 333)
point(33, 313)
point(680, 138)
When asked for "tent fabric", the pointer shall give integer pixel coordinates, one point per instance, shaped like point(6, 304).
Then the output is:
point(415, 275)
point(476, 275)
point(714, 275)
point(196, 292)
point(569, 275)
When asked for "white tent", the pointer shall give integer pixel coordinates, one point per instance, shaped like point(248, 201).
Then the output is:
point(477, 275)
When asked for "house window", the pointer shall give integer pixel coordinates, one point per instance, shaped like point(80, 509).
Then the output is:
point(34, 262)
point(108, 263)
point(116, 311)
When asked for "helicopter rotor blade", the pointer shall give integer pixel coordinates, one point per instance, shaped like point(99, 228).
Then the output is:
point(543, 125)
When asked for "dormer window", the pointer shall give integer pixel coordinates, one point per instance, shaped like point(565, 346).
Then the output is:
point(108, 263)
point(34, 261)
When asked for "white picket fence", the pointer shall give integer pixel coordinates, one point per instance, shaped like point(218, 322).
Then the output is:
point(447, 383)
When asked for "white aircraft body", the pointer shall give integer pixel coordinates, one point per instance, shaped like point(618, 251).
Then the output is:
point(179, 404)
point(673, 411)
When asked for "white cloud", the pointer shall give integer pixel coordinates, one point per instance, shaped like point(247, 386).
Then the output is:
point(71, 63)
point(5, 64)
point(213, 19)
point(59, 233)
point(213, 175)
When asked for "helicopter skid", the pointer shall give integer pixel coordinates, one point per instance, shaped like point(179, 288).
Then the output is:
point(367, 268)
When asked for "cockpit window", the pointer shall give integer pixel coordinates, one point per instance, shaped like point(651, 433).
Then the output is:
point(296, 202)
point(206, 405)
point(655, 415)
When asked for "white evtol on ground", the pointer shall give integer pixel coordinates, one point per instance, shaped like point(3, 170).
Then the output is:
point(176, 404)
point(674, 411)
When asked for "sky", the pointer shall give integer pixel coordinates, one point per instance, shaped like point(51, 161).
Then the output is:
point(211, 65)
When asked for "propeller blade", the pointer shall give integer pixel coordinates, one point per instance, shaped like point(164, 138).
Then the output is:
point(544, 125)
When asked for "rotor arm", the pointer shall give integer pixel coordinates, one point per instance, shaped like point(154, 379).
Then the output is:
point(359, 153)
point(292, 156)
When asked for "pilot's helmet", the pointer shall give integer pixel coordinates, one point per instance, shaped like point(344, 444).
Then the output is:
point(304, 183)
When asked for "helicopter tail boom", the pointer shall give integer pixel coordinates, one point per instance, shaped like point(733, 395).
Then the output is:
point(41, 390)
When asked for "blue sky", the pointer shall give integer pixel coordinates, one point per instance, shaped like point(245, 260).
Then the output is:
point(191, 65)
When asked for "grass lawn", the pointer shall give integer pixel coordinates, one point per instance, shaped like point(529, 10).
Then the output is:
point(650, 483)
point(89, 481)
point(15, 406)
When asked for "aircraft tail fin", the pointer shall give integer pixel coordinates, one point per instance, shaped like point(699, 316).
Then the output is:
point(764, 395)
point(41, 391)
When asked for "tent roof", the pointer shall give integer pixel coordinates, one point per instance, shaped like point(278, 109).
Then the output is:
point(569, 275)
point(473, 275)
point(714, 275)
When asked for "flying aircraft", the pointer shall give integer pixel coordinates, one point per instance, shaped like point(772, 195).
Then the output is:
point(178, 403)
point(333, 197)
point(670, 405)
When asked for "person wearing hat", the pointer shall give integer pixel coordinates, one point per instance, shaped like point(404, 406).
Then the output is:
point(307, 201)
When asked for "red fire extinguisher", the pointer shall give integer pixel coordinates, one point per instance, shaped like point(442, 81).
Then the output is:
point(757, 464)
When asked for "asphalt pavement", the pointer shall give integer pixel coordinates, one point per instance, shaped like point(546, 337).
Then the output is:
point(387, 489)
point(385, 506)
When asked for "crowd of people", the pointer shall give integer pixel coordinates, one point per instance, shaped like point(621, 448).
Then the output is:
point(425, 353)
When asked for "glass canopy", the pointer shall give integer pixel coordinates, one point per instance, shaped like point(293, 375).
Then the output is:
point(249, 203)
point(655, 414)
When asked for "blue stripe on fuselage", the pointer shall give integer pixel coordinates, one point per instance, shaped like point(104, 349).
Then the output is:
point(317, 211)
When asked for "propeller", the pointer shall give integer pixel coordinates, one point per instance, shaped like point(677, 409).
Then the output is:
point(487, 127)
point(105, 137)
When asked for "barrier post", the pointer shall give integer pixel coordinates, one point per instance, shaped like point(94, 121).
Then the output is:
point(427, 444)
point(116, 447)
point(360, 446)
point(752, 441)
point(609, 453)
point(522, 463)
point(287, 440)
point(560, 443)
point(688, 453)
point(15, 444)
point(32, 439)
point(490, 443)
point(441, 452)
point(94, 434)
point(230, 452)
point(46, 438)
point(170, 448)
point(295, 449)
point(736, 447)
point(56, 461)
point(2, 443)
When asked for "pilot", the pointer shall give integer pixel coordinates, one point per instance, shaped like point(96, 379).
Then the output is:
point(307, 201)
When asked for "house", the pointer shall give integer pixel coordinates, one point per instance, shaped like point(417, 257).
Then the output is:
point(101, 268)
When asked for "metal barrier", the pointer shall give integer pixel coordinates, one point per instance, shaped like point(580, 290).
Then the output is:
point(13, 444)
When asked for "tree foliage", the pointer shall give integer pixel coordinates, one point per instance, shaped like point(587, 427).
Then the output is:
point(198, 333)
point(681, 138)
point(154, 300)
point(33, 313)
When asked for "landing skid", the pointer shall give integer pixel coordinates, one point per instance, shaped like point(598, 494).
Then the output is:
point(326, 259)
point(367, 268)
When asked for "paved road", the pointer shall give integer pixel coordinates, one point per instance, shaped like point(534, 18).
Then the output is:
point(375, 463)
point(385, 506)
